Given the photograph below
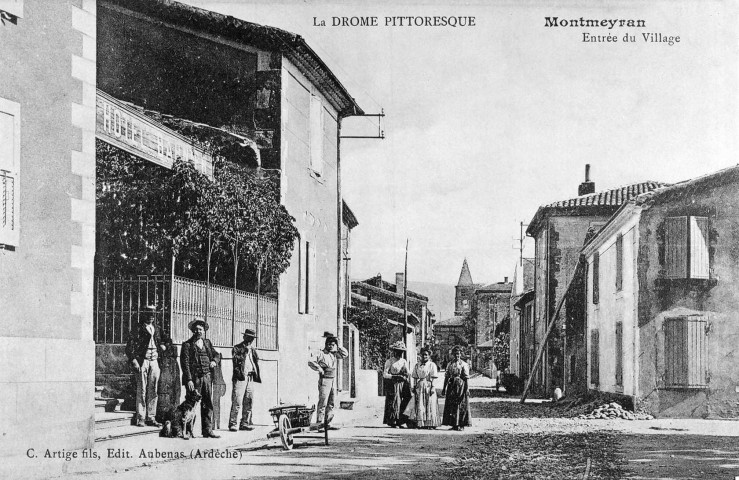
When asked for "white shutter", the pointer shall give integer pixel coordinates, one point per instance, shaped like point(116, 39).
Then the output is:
point(699, 265)
point(316, 135)
point(676, 243)
point(301, 276)
point(9, 171)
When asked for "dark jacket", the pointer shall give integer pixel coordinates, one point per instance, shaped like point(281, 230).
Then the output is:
point(138, 342)
point(239, 360)
point(190, 359)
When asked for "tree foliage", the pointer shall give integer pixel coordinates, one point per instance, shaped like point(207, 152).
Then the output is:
point(376, 335)
point(148, 213)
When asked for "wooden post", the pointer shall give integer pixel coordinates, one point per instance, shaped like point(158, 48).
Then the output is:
point(543, 344)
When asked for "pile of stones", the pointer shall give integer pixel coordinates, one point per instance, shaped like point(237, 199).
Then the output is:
point(614, 410)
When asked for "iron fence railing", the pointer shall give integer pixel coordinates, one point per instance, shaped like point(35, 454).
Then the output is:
point(119, 303)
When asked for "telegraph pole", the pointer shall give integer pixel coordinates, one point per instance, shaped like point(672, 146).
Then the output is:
point(405, 300)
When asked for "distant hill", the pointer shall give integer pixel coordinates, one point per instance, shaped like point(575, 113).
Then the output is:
point(441, 297)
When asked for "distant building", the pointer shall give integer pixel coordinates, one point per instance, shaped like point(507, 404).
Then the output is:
point(492, 305)
point(447, 334)
point(521, 347)
point(47, 225)
point(559, 230)
point(663, 298)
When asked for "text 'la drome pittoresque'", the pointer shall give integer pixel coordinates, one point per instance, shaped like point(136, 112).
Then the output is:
point(610, 23)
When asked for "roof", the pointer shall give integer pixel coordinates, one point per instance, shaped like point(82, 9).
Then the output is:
point(379, 284)
point(412, 318)
point(525, 298)
point(665, 194)
point(348, 216)
point(291, 45)
point(605, 202)
point(499, 287)
point(456, 321)
point(465, 277)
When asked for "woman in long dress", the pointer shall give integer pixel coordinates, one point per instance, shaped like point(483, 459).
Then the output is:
point(396, 386)
point(457, 404)
point(427, 404)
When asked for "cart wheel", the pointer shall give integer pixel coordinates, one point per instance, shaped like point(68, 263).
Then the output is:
point(326, 421)
point(286, 438)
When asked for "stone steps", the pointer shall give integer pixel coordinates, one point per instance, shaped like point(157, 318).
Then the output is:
point(114, 425)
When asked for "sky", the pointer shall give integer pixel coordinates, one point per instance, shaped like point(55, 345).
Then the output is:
point(484, 124)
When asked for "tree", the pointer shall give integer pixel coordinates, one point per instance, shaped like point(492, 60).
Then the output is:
point(375, 335)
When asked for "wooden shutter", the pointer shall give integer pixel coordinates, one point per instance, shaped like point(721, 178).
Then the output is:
point(316, 135)
point(594, 357)
point(596, 279)
point(311, 279)
point(619, 262)
point(301, 275)
point(685, 351)
point(676, 243)
point(9, 171)
point(619, 353)
point(699, 264)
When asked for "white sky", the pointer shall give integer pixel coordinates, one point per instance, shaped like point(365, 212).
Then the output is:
point(485, 124)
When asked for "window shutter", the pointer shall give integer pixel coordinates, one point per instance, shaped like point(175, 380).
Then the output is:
point(685, 352)
point(676, 242)
point(301, 275)
point(316, 135)
point(312, 279)
point(619, 262)
point(596, 279)
point(619, 353)
point(594, 357)
point(699, 264)
point(9, 172)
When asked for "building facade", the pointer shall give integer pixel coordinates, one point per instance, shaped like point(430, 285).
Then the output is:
point(663, 299)
point(521, 318)
point(268, 87)
point(47, 224)
point(559, 230)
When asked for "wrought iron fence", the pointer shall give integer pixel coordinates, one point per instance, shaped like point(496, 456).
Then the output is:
point(119, 303)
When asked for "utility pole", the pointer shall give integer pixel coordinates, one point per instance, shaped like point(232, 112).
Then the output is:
point(405, 300)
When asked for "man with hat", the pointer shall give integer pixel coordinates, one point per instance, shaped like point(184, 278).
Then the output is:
point(144, 345)
point(198, 358)
point(326, 364)
point(245, 374)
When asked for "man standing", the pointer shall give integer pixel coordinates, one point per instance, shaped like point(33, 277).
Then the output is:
point(326, 364)
point(198, 358)
point(142, 349)
point(245, 374)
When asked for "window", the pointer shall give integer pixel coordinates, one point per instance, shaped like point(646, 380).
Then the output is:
point(594, 357)
point(9, 172)
point(619, 354)
point(316, 135)
point(619, 262)
point(686, 247)
point(596, 280)
point(686, 356)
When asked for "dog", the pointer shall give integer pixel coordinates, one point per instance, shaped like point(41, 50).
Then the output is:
point(183, 418)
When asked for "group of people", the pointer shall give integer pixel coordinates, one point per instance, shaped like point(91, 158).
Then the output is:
point(198, 361)
point(411, 398)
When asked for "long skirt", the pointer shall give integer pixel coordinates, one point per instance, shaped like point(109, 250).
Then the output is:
point(457, 404)
point(397, 396)
point(427, 405)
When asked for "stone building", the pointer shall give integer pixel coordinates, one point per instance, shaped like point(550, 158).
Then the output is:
point(521, 319)
point(559, 230)
point(47, 225)
point(268, 88)
point(662, 299)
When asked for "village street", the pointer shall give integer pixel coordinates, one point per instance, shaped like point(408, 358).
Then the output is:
point(507, 440)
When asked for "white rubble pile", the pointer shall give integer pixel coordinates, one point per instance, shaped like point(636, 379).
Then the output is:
point(614, 410)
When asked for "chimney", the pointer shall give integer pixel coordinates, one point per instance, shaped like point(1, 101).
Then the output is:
point(505, 279)
point(587, 186)
point(399, 282)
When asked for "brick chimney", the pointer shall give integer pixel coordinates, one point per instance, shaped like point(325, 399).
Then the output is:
point(399, 282)
point(505, 279)
point(587, 186)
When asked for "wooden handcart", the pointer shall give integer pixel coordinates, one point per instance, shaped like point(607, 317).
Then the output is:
point(291, 420)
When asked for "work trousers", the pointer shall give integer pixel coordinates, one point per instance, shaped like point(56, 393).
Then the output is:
point(325, 398)
point(204, 386)
point(147, 381)
point(242, 394)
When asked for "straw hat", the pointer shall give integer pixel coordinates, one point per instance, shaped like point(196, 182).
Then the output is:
point(197, 321)
point(399, 345)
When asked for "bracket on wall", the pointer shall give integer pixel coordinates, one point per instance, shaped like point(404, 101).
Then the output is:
point(380, 132)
